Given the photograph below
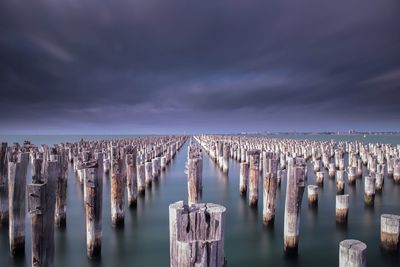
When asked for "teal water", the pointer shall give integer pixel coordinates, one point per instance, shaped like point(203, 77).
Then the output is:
point(144, 241)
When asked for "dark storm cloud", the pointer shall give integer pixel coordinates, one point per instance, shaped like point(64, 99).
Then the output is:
point(169, 65)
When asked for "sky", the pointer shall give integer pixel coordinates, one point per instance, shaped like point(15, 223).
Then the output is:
point(175, 66)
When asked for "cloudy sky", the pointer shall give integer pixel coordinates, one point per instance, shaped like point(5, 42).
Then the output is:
point(165, 66)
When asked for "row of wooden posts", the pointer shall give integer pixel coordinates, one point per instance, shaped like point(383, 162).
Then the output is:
point(276, 159)
point(133, 164)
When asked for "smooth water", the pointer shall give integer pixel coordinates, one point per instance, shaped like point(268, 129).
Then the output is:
point(144, 241)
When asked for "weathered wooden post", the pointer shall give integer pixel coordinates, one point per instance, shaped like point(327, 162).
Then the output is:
point(331, 170)
point(194, 173)
point(163, 162)
point(93, 206)
point(16, 200)
point(244, 173)
point(312, 191)
point(196, 235)
point(155, 168)
point(41, 206)
point(396, 171)
point(319, 176)
point(148, 173)
point(254, 174)
point(3, 186)
point(339, 181)
point(117, 191)
point(294, 195)
point(225, 158)
point(342, 208)
point(141, 180)
point(131, 180)
point(352, 175)
point(352, 253)
point(61, 190)
point(369, 190)
point(269, 192)
point(390, 231)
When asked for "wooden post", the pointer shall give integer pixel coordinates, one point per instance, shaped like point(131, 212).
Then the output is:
point(294, 195)
point(196, 235)
point(269, 192)
point(16, 200)
point(390, 231)
point(352, 175)
point(141, 182)
point(396, 171)
point(319, 178)
point(254, 174)
point(156, 169)
point(61, 193)
point(244, 173)
point(131, 182)
point(163, 162)
point(194, 172)
point(331, 170)
point(225, 158)
point(342, 208)
point(379, 181)
point(340, 181)
point(93, 206)
point(117, 192)
point(352, 253)
point(312, 191)
point(41, 206)
point(369, 190)
point(148, 173)
point(3, 186)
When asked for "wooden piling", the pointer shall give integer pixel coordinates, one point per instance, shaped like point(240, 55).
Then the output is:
point(141, 179)
point(117, 191)
point(16, 200)
point(369, 190)
point(254, 175)
point(351, 175)
point(41, 206)
point(342, 208)
point(148, 173)
point(194, 173)
point(319, 178)
point(225, 158)
point(3, 186)
point(312, 192)
point(197, 235)
point(244, 173)
point(131, 181)
point(396, 170)
point(61, 191)
point(294, 195)
point(339, 181)
point(331, 170)
point(93, 206)
point(269, 192)
point(390, 232)
point(155, 168)
point(352, 253)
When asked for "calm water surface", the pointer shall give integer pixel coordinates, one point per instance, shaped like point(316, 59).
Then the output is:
point(144, 241)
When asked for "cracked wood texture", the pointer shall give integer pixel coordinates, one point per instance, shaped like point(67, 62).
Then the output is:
point(352, 253)
point(196, 235)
